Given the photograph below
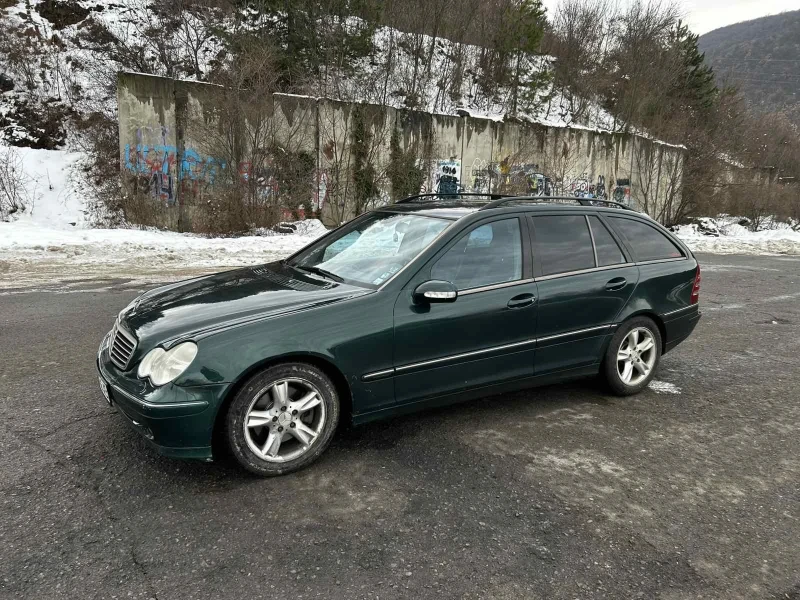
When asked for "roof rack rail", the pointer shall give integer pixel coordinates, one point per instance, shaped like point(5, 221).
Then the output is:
point(494, 197)
point(555, 200)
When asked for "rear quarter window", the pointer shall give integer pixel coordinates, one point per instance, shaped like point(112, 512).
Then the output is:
point(648, 243)
point(608, 252)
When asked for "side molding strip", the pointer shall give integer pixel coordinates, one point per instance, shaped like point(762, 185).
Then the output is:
point(408, 367)
point(673, 312)
point(377, 374)
point(561, 335)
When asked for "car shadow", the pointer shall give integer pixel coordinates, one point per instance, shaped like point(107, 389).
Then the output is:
point(350, 443)
point(528, 404)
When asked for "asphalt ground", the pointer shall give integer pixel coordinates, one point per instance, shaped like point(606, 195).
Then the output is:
point(688, 490)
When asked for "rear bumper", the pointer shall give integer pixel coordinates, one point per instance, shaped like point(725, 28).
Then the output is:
point(176, 421)
point(679, 326)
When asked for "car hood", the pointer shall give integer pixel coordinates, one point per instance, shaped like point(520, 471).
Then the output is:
point(196, 307)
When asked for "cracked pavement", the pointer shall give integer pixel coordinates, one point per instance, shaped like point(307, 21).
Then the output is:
point(691, 491)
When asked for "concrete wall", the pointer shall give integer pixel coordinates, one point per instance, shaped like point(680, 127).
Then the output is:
point(174, 133)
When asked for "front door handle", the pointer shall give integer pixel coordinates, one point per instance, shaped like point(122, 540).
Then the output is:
point(521, 301)
point(616, 284)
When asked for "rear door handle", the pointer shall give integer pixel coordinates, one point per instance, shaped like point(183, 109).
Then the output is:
point(521, 301)
point(616, 284)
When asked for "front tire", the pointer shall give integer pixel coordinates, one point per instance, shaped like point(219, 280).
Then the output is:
point(632, 356)
point(282, 419)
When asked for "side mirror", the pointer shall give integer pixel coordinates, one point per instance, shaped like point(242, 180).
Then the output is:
point(435, 291)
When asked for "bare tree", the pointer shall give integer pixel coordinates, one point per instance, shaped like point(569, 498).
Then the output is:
point(580, 38)
point(16, 194)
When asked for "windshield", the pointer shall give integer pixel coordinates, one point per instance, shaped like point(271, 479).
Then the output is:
point(370, 251)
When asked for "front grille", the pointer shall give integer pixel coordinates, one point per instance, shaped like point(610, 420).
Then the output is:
point(122, 346)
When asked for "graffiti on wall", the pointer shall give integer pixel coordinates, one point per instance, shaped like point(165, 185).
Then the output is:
point(262, 178)
point(484, 176)
point(521, 179)
point(447, 176)
point(582, 186)
point(622, 192)
point(158, 163)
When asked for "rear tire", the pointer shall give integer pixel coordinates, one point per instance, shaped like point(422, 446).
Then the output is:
point(632, 356)
point(282, 419)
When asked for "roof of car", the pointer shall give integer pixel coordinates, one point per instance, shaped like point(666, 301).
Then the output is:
point(456, 206)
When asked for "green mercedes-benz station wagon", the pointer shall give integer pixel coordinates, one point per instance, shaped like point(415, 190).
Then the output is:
point(430, 301)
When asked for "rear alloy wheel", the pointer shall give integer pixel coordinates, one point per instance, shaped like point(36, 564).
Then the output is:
point(632, 356)
point(282, 419)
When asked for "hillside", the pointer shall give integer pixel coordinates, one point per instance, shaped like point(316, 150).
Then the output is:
point(59, 59)
point(762, 58)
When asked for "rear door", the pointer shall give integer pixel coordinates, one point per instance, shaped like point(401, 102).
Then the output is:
point(584, 280)
point(488, 334)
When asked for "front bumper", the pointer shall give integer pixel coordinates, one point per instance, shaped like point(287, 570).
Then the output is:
point(176, 421)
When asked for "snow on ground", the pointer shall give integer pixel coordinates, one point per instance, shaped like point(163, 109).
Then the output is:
point(733, 238)
point(32, 254)
point(49, 194)
point(663, 387)
point(25, 240)
point(55, 230)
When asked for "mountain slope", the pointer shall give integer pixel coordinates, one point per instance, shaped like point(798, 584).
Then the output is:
point(762, 58)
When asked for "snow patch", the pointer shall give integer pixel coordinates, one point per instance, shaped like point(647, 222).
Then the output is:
point(664, 387)
point(51, 200)
point(725, 235)
point(27, 241)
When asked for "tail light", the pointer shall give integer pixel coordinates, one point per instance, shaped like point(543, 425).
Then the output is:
point(696, 287)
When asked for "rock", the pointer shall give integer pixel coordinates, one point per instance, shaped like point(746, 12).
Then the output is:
point(285, 228)
point(6, 83)
point(707, 226)
point(62, 13)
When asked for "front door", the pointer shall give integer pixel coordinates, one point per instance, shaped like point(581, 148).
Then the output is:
point(584, 281)
point(487, 334)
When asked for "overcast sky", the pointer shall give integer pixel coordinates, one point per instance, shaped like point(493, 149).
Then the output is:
point(704, 15)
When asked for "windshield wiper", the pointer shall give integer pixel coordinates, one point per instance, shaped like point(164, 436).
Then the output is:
point(322, 272)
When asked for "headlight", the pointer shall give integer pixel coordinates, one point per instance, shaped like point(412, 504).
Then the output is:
point(163, 366)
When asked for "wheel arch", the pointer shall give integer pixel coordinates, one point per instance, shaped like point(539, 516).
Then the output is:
point(321, 362)
point(653, 316)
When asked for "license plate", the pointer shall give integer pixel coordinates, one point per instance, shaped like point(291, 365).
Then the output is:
point(104, 389)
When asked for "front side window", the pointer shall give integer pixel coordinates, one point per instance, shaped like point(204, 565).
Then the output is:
point(486, 255)
point(563, 243)
point(371, 251)
point(647, 242)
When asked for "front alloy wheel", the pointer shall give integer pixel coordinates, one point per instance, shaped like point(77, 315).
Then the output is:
point(282, 419)
point(632, 356)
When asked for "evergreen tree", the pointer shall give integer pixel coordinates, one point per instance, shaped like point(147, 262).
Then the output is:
point(697, 85)
point(519, 38)
point(313, 37)
point(365, 185)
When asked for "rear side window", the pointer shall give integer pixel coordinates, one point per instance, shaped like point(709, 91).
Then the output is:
point(647, 242)
point(563, 243)
point(608, 252)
